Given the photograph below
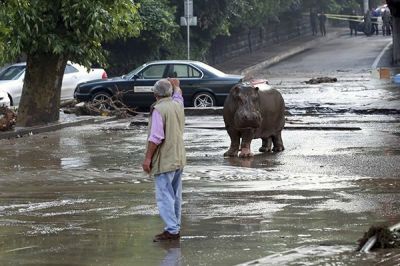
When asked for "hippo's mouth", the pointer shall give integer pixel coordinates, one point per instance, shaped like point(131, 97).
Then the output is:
point(247, 125)
point(246, 128)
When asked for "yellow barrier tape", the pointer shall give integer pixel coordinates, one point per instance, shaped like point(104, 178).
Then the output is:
point(346, 19)
point(344, 16)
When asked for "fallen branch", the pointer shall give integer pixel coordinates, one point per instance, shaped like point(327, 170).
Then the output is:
point(321, 80)
point(112, 106)
point(380, 237)
point(8, 118)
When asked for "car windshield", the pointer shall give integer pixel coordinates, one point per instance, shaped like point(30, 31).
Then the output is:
point(12, 72)
point(211, 69)
point(133, 72)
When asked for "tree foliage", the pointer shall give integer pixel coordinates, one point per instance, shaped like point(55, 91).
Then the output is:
point(74, 29)
point(50, 32)
point(159, 30)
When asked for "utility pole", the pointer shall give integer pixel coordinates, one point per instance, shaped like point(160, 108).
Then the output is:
point(366, 6)
point(188, 15)
point(188, 20)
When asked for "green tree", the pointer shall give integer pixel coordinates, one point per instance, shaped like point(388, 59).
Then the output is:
point(51, 32)
point(220, 18)
point(159, 32)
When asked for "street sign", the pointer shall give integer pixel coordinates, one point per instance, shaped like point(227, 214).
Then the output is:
point(188, 4)
point(192, 21)
point(188, 20)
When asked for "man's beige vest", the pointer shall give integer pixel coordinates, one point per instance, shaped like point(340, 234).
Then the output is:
point(170, 154)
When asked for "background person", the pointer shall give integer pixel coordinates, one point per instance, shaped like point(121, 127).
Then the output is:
point(165, 155)
point(374, 21)
point(313, 21)
point(322, 21)
point(353, 24)
point(386, 20)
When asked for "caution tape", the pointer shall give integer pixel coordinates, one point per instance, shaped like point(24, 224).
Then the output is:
point(346, 17)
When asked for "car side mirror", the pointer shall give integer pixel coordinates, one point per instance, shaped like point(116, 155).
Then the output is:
point(135, 77)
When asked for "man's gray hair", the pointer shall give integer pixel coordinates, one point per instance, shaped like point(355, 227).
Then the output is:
point(163, 88)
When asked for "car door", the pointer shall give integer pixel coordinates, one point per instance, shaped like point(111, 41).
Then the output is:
point(144, 81)
point(190, 80)
point(70, 80)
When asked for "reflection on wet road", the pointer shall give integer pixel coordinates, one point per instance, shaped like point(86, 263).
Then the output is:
point(78, 196)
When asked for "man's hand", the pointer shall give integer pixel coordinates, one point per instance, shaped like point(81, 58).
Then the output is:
point(151, 148)
point(175, 82)
point(175, 85)
point(146, 165)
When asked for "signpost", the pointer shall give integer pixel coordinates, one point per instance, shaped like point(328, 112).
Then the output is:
point(366, 6)
point(188, 20)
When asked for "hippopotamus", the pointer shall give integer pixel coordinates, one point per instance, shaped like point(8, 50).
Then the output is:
point(252, 112)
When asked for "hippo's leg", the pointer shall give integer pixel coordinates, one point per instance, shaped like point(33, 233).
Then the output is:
point(235, 142)
point(278, 143)
point(247, 137)
point(266, 145)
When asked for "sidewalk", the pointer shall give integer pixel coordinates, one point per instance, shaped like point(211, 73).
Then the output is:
point(64, 121)
point(268, 56)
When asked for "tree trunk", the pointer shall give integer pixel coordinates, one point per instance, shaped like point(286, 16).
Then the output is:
point(396, 40)
point(40, 99)
point(394, 6)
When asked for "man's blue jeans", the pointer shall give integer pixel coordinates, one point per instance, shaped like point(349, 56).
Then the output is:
point(169, 199)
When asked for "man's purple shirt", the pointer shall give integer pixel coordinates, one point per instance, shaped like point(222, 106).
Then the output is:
point(157, 134)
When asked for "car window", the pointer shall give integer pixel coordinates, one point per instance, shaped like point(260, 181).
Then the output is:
point(70, 69)
point(153, 72)
point(185, 71)
point(12, 73)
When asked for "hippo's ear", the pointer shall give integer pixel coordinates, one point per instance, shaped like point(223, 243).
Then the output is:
point(235, 90)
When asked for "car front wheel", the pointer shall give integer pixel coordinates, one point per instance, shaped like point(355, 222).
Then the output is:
point(102, 100)
point(204, 99)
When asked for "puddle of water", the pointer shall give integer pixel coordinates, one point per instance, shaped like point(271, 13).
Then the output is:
point(60, 197)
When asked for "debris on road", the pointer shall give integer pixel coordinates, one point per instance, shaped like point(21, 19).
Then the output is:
point(107, 107)
point(8, 118)
point(321, 80)
point(396, 79)
point(379, 237)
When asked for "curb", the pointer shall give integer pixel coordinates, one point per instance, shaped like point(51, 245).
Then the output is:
point(20, 132)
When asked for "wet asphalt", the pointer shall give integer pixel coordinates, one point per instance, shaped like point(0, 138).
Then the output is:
point(78, 196)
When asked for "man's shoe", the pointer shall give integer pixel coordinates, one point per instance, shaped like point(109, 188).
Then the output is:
point(166, 236)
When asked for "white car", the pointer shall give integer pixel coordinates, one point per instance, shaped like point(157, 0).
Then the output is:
point(4, 100)
point(12, 79)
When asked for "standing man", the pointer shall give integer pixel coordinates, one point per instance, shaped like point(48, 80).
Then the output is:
point(367, 23)
point(374, 21)
point(386, 19)
point(353, 24)
point(165, 154)
point(322, 21)
point(313, 21)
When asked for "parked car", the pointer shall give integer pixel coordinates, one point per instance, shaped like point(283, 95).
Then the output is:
point(4, 100)
point(201, 84)
point(12, 80)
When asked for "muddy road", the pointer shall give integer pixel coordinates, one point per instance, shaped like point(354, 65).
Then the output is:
point(78, 196)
